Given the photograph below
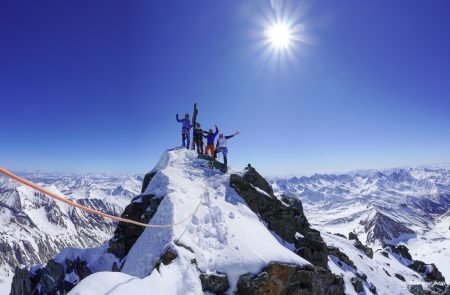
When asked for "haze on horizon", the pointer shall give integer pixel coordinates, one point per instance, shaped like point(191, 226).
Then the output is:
point(94, 87)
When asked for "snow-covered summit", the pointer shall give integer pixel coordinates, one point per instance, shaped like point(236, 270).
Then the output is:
point(223, 241)
point(229, 233)
point(225, 235)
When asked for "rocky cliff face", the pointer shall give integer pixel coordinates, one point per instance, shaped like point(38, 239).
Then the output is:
point(286, 219)
point(279, 278)
point(380, 227)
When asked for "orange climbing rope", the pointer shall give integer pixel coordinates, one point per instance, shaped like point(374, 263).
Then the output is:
point(90, 210)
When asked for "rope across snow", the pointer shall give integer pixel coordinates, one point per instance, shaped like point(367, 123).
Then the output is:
point(90, 210)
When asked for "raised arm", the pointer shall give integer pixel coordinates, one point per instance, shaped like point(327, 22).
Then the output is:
point(230, 136)
point(178, 120)
point(217, 131)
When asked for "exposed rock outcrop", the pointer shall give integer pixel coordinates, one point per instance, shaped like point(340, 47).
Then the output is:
point(280, 278)
point(166, 258)
point(357, 284)
point(50, 279)
point(216, 283)
point(142, 209)
point(400, 277)
point(335, 251)
point(400, 250)
point(428, 271)
point(213, 163)
point(147, 178)
point(367, 250)
point(286, 218)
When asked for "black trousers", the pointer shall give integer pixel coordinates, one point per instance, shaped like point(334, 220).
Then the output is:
point(199, 145)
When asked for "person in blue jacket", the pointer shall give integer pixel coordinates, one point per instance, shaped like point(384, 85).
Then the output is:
point(185, 134)
point(210, 137)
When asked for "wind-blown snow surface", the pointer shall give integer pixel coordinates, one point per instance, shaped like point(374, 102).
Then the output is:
point(33, 227)
point(408, 205)
point(380, 270)
point(224, 234)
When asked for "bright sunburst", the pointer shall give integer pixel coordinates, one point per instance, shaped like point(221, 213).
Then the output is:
point(281, 32)
point(279, 35)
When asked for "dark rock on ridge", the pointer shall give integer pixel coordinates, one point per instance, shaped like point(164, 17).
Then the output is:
point(334, 251)
point(357, 284)
point(280, 278)
point(141, 209)
point(284, 220)
point(216, 283)
point(367, 250)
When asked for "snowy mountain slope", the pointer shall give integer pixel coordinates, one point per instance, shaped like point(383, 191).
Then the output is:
point(116, 189)
point(434, 245)
point(242, 239)
point(224, 232)
point(34, 228)
point(222, 242)
point(406, 205)
point(380, 270)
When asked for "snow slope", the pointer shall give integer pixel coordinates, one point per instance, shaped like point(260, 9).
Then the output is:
point(225, 236)
point(399, 206)
point(380, 270)
point(34, 228)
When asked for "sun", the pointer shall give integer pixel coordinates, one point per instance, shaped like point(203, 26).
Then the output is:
point(279, 35)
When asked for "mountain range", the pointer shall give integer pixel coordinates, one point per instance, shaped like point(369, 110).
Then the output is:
point(34, 228)
point(379, 232)
point(407, 206)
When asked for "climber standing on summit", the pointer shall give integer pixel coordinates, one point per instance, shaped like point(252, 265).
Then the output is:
point(198, 138)
point(186, 126)
point(210, 137)
point(222, 146)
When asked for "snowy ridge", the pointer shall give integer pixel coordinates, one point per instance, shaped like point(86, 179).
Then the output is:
point(225, 235)
point(227, 248)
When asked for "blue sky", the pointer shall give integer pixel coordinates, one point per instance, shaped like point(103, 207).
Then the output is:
point(94, 86)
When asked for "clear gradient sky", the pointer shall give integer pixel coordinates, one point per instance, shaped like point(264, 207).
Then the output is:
point(94, 86)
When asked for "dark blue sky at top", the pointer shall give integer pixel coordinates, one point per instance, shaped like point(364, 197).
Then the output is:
point(94, 86)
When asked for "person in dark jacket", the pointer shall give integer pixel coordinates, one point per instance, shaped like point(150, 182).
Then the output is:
point(198, 139)
point(222, 146)
point(210, 137)
point(186, 126)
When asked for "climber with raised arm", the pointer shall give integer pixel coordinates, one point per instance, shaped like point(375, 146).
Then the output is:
point(210, 137)
point(222, 146)
point(198, 138)
point(186, 126)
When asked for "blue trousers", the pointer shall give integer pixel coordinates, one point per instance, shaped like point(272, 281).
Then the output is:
point(224, 151)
